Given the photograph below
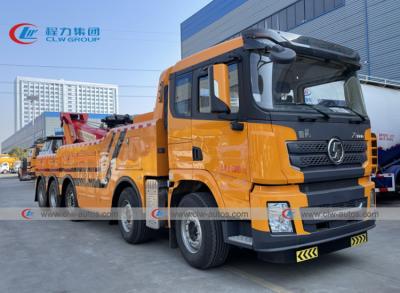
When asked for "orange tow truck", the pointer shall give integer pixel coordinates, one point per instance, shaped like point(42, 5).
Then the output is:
point(268, 120)
point(27, 168)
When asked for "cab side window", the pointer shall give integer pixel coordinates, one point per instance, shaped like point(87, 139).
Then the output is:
point(204, 91)
point(204, 95)
point(183, 95)
point(234, 87)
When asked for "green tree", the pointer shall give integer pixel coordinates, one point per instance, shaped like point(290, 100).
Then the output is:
point(18, 152)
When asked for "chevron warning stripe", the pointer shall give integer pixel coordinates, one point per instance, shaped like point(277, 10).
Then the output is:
point(306, 254)
point(359, 239)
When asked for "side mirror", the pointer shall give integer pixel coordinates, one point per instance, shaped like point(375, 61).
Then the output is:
point(282, 55)
point(218, 76)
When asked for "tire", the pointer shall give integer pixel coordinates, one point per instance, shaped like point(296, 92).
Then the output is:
point(55, 199)
point(70, 198)
point(42, 194)
point(133, 231)
point(206, 249)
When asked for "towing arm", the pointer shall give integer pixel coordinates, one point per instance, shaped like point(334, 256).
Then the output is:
point(76, 128)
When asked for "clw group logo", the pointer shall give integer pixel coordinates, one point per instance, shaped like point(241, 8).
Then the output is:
point(27, 214)
point(24, 33)
point(28, 33)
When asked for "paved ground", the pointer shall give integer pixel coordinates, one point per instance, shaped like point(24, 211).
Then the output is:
point(63, 257)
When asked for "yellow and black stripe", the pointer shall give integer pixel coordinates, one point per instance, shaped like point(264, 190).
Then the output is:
point(359, 239)
point(307, 254)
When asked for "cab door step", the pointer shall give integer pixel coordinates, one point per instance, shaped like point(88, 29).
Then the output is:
point(241, 240)
point(238, 233)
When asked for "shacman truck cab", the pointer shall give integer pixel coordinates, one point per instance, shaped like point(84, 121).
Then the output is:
point(268, 120)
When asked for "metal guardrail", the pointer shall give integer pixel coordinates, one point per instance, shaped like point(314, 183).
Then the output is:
point(379, 81)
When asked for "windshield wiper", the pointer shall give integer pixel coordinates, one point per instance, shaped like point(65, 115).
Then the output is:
point(323, 113)
point(351, 110)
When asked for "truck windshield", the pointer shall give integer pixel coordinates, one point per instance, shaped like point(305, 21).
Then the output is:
point(306, 85)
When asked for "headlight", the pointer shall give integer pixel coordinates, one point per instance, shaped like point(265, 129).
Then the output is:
point(278, 223)
point(373, 198)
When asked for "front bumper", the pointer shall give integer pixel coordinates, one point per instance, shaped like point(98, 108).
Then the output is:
point(327, 237)
point(283, 248)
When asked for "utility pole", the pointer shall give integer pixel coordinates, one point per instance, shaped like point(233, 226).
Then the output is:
point(32, 99)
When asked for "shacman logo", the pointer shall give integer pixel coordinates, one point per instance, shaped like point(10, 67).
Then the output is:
point(27, 214)
point(23, 33)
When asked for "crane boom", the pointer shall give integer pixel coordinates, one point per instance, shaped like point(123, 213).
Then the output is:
point(76, 128)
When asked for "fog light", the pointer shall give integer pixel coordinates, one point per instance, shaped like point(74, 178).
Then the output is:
point(278, 221)
point(372, 198)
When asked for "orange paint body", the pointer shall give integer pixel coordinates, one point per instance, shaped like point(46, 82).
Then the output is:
point(241, 169)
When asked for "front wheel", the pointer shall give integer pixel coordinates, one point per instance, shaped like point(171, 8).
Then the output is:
point(200, 241)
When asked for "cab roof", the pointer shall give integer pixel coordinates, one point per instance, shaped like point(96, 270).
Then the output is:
point(301, 44)
point(208, 53)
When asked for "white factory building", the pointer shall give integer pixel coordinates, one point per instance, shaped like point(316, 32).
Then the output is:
point(33, 96)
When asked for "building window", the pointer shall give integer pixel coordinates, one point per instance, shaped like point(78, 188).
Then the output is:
point(268, 22)
point(339, 3)
point(283, 20)
point(275, 22)
point(318, 7)
point(261, 25)
point(300, 18)
point(299, 13)
point(329, 5)
point(291, 17)
point(309, 9)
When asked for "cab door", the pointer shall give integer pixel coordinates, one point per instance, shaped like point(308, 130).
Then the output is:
point(220, 144)
point(180, 123)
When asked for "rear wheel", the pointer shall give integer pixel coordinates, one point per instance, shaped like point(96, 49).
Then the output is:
point(133, 231)
point(71, 201)
point(200, 241)
point(54, 195)
point(42, 194)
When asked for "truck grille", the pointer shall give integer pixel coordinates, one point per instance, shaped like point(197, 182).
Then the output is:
point(306, 154)
point(319, 225)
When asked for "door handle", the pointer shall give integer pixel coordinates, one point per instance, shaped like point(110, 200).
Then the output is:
point(237, 126)
point(197, 154)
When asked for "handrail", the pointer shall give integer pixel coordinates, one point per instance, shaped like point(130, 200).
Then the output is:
point(379, 81)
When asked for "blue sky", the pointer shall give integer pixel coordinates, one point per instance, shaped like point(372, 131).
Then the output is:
point(134, 34)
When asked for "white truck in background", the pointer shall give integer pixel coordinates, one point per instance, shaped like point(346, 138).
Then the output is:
point(382, 100)
point(4, 168)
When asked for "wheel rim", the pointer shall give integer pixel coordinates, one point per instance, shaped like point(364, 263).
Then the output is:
point(191, 233)
point(126, 216)
point(70, 200)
